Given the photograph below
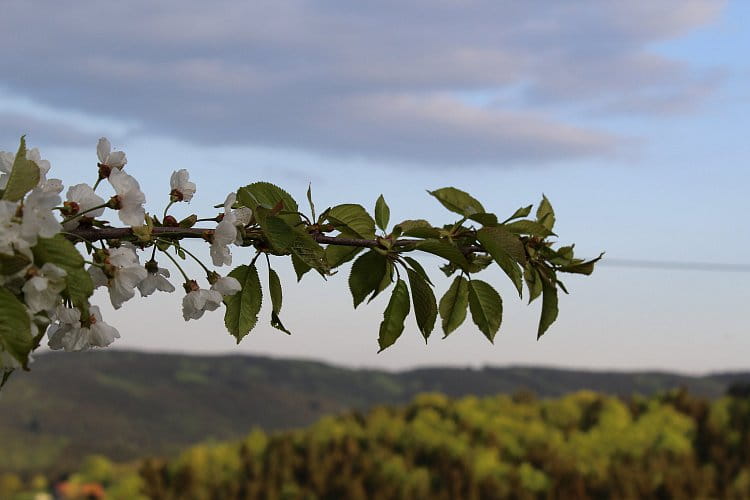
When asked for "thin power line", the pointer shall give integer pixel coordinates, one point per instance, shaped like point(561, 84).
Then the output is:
point(676, 266)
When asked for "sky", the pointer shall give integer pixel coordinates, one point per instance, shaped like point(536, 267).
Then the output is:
point(631, 117)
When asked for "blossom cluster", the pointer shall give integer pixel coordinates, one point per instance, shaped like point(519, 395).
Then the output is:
point(41, 285)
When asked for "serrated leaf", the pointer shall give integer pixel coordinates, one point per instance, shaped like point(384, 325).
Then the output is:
point(418, 268)
point(274, 290)
point(418, 228)
point(581, 268)
point(11, 264)
point(382, 213)
point(15, 328)
point(79, 288)
point(385, 282)
point(271, 197)
point(521, 212)
point(485, 219)
point(500, 243)
point(549, 307)
point(394, 316)
point(24, 175)
point(57, 250)
point(545, 215)
point(353, 219)
point(528, 227)
point(486, 308)
point(366, 276)
point(425, 305)
point(533, 282)
point(307, 250)
point(300, 268)
point(337, 255)
point(243, 307)
point(445, 250)
point(278, 233)
point(458, 201)
point(454, 304)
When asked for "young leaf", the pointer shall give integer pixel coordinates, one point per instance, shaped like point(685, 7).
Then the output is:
point(274, 290)
point(581, 267)
point(337, 255)
point(486, 308)
point(354, 219)
point(309, 200)
point(453, 305)
point(520, 213)
point(533, 282)
point(15, 327)
point(243, 307)
point(500, 244)
point(458, 201)
point(57, 250)
point(24, 175)
point(445, 250)
point(385, 282)
point(11, 264)
point(549, 306)
point(276, 323)
point(418, 228)
point(279, 234)
point(544, 213)
point(270, 196)
point(366, 276)
point(79, 288)
point(485, 219)
point(529, 227)
point(418, 268)
point(394, 315)
point(307, 250)
point(425, 305)
point(382, 213)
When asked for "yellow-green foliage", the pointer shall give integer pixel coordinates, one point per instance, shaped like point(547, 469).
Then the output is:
point(584, 445)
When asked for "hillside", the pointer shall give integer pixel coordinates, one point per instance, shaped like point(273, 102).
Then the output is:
point(129, 404)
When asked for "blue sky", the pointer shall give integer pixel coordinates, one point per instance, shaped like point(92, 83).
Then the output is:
point(630, 116)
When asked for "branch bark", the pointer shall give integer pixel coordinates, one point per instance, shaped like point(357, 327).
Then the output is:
point(178, 233)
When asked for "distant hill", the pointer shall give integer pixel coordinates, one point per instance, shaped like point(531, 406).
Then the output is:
point(129, 404)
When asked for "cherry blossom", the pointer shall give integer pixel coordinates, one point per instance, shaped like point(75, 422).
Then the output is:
point(129, 199)
point(109, 158)
point(155, 280)
point(121, 274)
point(42, 290)
point(199, 300)
point(182, 188)
point(73, 334)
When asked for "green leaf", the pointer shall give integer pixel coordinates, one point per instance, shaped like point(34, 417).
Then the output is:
point(353, 219)
point(453, 305)
point(243, 307)
point(382, 213)
point(485, 219)
point(394, 315)
point(545, 215)
point(425, 305)
point(307, 250)
point(582, 267)
point(279, 234)
point(533, 282)
point(276, 323)
point(418, 268)
point(337, 255)
point(274, 290)
point(59, 251)
point(445, 250)
point(366, 276)
point(418, 228)
point(310, 201)
point(458, 201)
point(15, 328)
point(300, 268)
point(529, 227)
point(11, 264)
point(520, 213)
point(505, 248)
point(79, 288)
point(549, 306)
point(385, 282)
point(24, 175)
point(486, 308)
point(269, 196)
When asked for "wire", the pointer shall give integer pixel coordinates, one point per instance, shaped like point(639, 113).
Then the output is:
point(676, 266)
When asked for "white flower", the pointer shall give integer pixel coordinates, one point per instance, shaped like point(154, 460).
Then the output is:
point(199, 300)
point(71, 334)
point(38, 218)
point(42, 291)
point(155, 280)
point(11, 239)
point(123, 274)
point(129, 199)
point(182, 188)
point(81, 198)
point(113, 159)
point(226, 232)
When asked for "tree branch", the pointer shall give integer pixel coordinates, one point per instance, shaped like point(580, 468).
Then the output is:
point(178, 233)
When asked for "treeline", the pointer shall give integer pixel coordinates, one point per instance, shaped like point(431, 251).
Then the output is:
point(585, 445)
